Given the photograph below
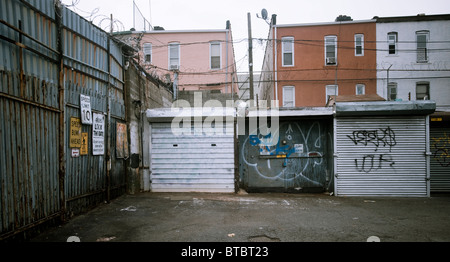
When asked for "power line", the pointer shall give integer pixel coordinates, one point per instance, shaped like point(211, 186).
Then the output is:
point(319, 80)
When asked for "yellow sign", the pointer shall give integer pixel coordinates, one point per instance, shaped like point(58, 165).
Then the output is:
point(84, 144)
point(75, 132)
point(436, 119)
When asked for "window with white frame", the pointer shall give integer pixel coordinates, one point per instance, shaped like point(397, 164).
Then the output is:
point(392, 43)
point(330, 50)
point(330, 91)
point(423, 91)
point(147, 49)
point(215, 55)
point(392, 91)
point(360, 89)
point(288, 96)
point(174, 56)
point(359, 45)
point(287, 47)
point(422, 46)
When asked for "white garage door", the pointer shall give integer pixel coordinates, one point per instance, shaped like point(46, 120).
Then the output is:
point(196, 162)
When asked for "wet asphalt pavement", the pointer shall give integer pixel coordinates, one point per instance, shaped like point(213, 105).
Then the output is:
point(258, 217)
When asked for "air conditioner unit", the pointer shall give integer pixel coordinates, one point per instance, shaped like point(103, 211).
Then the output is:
point(331, 60)
point(174, 67)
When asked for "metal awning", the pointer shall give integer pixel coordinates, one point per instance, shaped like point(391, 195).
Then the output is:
point(385, 108)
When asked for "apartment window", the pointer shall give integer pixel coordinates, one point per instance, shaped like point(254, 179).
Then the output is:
point(360, 89)
point(287, 44)
point(331, 50)
point(422, 42)
point(423, 91)
point(174, 56)
point(215, 55)
point(359, 45)
point(147, 48)
point(392, 91)
point(330, 91)
point(392, 42)
point(288, 96)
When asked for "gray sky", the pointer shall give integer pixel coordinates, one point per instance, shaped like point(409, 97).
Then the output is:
point(213, 14)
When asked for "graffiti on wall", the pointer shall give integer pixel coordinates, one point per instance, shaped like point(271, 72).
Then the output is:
point(298, 149)
point(440, 147)
point(374, 162)
point(382, 137)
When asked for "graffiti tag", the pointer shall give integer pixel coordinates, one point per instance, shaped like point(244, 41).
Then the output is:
point(370, 163)
point(441, 151)
point(381, 137)
point(384, 137)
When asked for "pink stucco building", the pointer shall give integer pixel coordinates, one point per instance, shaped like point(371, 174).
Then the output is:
point(192, 59)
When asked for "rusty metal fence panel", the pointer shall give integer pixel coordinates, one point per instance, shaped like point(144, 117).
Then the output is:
point(93, 67)
point(39, 178)
point(29, 113)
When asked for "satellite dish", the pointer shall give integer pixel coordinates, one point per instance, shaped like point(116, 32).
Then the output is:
point(264, 14)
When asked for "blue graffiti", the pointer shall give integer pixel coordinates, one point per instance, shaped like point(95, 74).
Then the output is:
point(279, 150)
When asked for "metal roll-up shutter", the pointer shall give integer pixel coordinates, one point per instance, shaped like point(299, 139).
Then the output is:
point(199, 162)
point(381, 156)
point(440, 159)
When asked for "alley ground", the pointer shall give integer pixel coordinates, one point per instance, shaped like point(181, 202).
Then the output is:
point(262, 217)
point(253, 226)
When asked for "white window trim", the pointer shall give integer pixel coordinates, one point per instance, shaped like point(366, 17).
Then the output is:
point(392, 85)
point(335, 49)
point(336, 87)
point(428, 92)
point(220, 55)
point(364, 89)
point(396, 43)
point(362, 44)
point(285, 39)
point(293, 95)
point(427, 35)
point(179, 53)
point(144, 47)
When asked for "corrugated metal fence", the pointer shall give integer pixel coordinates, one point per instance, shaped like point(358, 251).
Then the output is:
point(48, 57)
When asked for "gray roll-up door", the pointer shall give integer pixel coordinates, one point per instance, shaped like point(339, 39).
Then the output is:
point(199, 162)
point(440, 159)
point(381, 156)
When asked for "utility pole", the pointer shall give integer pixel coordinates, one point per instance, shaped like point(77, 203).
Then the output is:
point(387, 84)
point(112, 24)
point(250, 58)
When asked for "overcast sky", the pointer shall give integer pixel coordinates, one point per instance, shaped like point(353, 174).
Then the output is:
point(213, 14)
